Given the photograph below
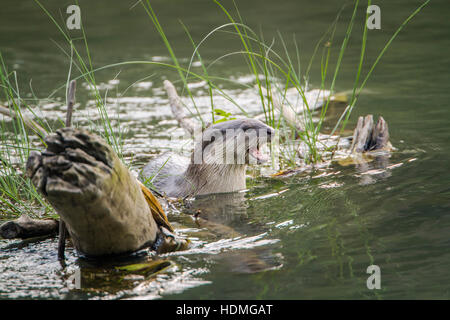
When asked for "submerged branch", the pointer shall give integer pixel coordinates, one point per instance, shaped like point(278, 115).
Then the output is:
point(177, 109)
point(25, 227)
point(70, 102)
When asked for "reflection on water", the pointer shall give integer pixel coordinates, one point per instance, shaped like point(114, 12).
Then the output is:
point(224, 217)
point(308, 235)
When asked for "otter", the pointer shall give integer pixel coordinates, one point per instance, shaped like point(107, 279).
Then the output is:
point(217, 164)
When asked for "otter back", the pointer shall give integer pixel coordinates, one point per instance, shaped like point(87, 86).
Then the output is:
point(165, 172)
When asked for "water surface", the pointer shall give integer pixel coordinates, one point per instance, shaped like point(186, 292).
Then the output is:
point(307, 236)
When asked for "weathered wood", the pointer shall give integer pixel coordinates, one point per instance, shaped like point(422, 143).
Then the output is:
point(177, 109)
point(367, 137)
point(24, 227)
point(365, 134)
point(70, 102)
point(380, 135)
point(356, 132)
point(94, 193)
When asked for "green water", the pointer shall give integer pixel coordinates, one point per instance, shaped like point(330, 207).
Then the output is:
point(315, 239)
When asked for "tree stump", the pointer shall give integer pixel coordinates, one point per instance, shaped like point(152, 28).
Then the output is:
point(100, 201)
point(367, 137)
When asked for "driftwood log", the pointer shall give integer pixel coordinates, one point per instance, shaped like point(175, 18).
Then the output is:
point(106, 210)
point(25, 227)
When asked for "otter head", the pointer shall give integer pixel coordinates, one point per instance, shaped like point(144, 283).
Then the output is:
point(234, 142)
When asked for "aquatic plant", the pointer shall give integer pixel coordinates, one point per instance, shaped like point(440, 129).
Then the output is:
point(17, 193)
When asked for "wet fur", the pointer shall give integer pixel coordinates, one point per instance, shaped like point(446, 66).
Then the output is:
point(180, 177)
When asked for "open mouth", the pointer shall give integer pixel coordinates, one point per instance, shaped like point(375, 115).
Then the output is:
point(255, 152)
point(258, 155)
